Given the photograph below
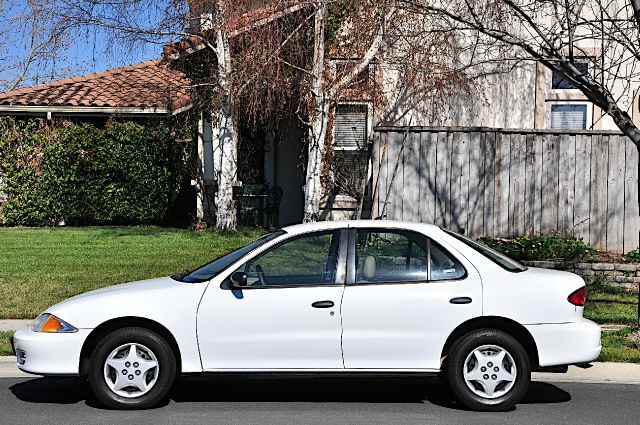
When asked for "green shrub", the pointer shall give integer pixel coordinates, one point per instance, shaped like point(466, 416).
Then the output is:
point(542, 247)
point(122, 173)
point(633, 255)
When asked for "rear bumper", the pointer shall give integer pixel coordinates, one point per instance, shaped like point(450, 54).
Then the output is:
point(49, 353)
point(566, 343)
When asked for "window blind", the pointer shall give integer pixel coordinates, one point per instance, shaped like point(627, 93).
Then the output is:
point(568, 116)
point(350, 127)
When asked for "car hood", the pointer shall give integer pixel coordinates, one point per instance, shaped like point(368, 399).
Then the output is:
point(152, 298)
point(136, 287)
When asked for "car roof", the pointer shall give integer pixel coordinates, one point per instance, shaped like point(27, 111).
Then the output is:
point(341, 224)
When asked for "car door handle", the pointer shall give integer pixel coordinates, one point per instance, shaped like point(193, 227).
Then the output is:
point(322, 304)
point(460, 300)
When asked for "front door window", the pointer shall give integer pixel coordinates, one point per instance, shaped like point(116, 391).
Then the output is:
point(306, 260)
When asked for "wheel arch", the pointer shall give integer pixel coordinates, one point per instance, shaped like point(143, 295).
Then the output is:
point(111, 325)
point(508, 326)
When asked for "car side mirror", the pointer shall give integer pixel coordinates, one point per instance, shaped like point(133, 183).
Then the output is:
point(239, 279)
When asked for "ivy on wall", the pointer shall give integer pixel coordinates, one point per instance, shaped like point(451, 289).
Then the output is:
point(120, 173)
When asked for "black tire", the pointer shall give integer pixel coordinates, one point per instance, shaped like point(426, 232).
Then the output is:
point(488, 339)
point(143, 339)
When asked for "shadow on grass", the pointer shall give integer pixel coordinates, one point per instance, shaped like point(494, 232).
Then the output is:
point(312, 390)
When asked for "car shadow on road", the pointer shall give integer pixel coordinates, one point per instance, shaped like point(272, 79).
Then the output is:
point(244, 389)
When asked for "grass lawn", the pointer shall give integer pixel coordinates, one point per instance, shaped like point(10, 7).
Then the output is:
point(5, 347)
point(42, 266)
point(610, 304)
point(621, 345)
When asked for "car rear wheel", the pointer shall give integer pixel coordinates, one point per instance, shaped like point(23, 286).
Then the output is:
point(133, 368)
point(488, 370)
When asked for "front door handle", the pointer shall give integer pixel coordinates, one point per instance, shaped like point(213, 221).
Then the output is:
point(322, 304)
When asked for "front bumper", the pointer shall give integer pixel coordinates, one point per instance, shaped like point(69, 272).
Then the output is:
point(49, 353)
point(566, 343)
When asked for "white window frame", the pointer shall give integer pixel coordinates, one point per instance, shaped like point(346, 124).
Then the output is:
point(369, 129)
point(589, 118)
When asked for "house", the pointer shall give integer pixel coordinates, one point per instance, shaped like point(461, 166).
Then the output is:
point(525, 113)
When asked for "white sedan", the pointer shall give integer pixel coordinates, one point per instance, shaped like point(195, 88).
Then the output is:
point(355, 297)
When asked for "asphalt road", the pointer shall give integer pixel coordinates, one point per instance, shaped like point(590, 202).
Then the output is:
point(308, 401)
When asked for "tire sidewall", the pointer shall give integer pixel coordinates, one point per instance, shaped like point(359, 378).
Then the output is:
point(455, 365)
point(153, 341)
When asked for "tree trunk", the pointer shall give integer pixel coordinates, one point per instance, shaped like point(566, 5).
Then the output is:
point(227, 135)
point(635, 4)
point(318, 121)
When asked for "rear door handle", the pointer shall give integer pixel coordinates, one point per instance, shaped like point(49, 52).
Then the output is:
point(460, 300)
point(322, 304)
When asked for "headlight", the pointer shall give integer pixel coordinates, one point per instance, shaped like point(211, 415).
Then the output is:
point(49, 323)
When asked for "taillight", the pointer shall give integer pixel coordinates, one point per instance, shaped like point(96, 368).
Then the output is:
point(578, 297)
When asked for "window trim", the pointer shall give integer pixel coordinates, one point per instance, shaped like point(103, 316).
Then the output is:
point(351, 262)
point(338, 279)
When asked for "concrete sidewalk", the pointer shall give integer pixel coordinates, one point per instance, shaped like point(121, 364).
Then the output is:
point(14, 324)
point(599, 373)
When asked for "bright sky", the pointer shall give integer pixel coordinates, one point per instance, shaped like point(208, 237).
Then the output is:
point(87, 52)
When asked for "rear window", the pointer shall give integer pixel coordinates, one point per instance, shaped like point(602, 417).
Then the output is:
point(493, 255)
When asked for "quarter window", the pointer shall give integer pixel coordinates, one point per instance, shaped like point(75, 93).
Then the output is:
point(307, 260)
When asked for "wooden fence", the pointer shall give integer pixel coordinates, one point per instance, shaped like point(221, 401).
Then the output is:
point(505, 183)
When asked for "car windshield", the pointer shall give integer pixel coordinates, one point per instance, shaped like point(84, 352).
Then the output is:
point(493, 255)
point(212, 269)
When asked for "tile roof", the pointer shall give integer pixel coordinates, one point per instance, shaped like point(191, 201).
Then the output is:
point(143, 85)
point(152, 84)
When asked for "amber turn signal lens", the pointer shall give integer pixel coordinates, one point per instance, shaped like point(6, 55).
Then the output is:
point(52, 325)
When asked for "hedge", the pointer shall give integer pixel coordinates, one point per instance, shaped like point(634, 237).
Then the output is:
point(80, 174)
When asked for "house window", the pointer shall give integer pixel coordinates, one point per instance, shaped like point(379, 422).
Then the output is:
point(569, 115)
point(350, 145)
point(350, 127)
point(558, 82)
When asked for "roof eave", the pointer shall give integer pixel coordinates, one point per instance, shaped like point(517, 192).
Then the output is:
point(48, 111)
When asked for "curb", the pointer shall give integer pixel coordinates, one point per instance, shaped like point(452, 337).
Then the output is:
point(9, 368)
point(598, 373)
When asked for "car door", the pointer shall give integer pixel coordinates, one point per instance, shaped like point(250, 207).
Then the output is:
point(405, 294)
point(288, 315)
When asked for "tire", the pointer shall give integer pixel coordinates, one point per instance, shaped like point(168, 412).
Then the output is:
point(132, 368)
point(488, 370)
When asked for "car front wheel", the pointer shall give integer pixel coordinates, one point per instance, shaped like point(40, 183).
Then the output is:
point(133, 368)
point(488, 370)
